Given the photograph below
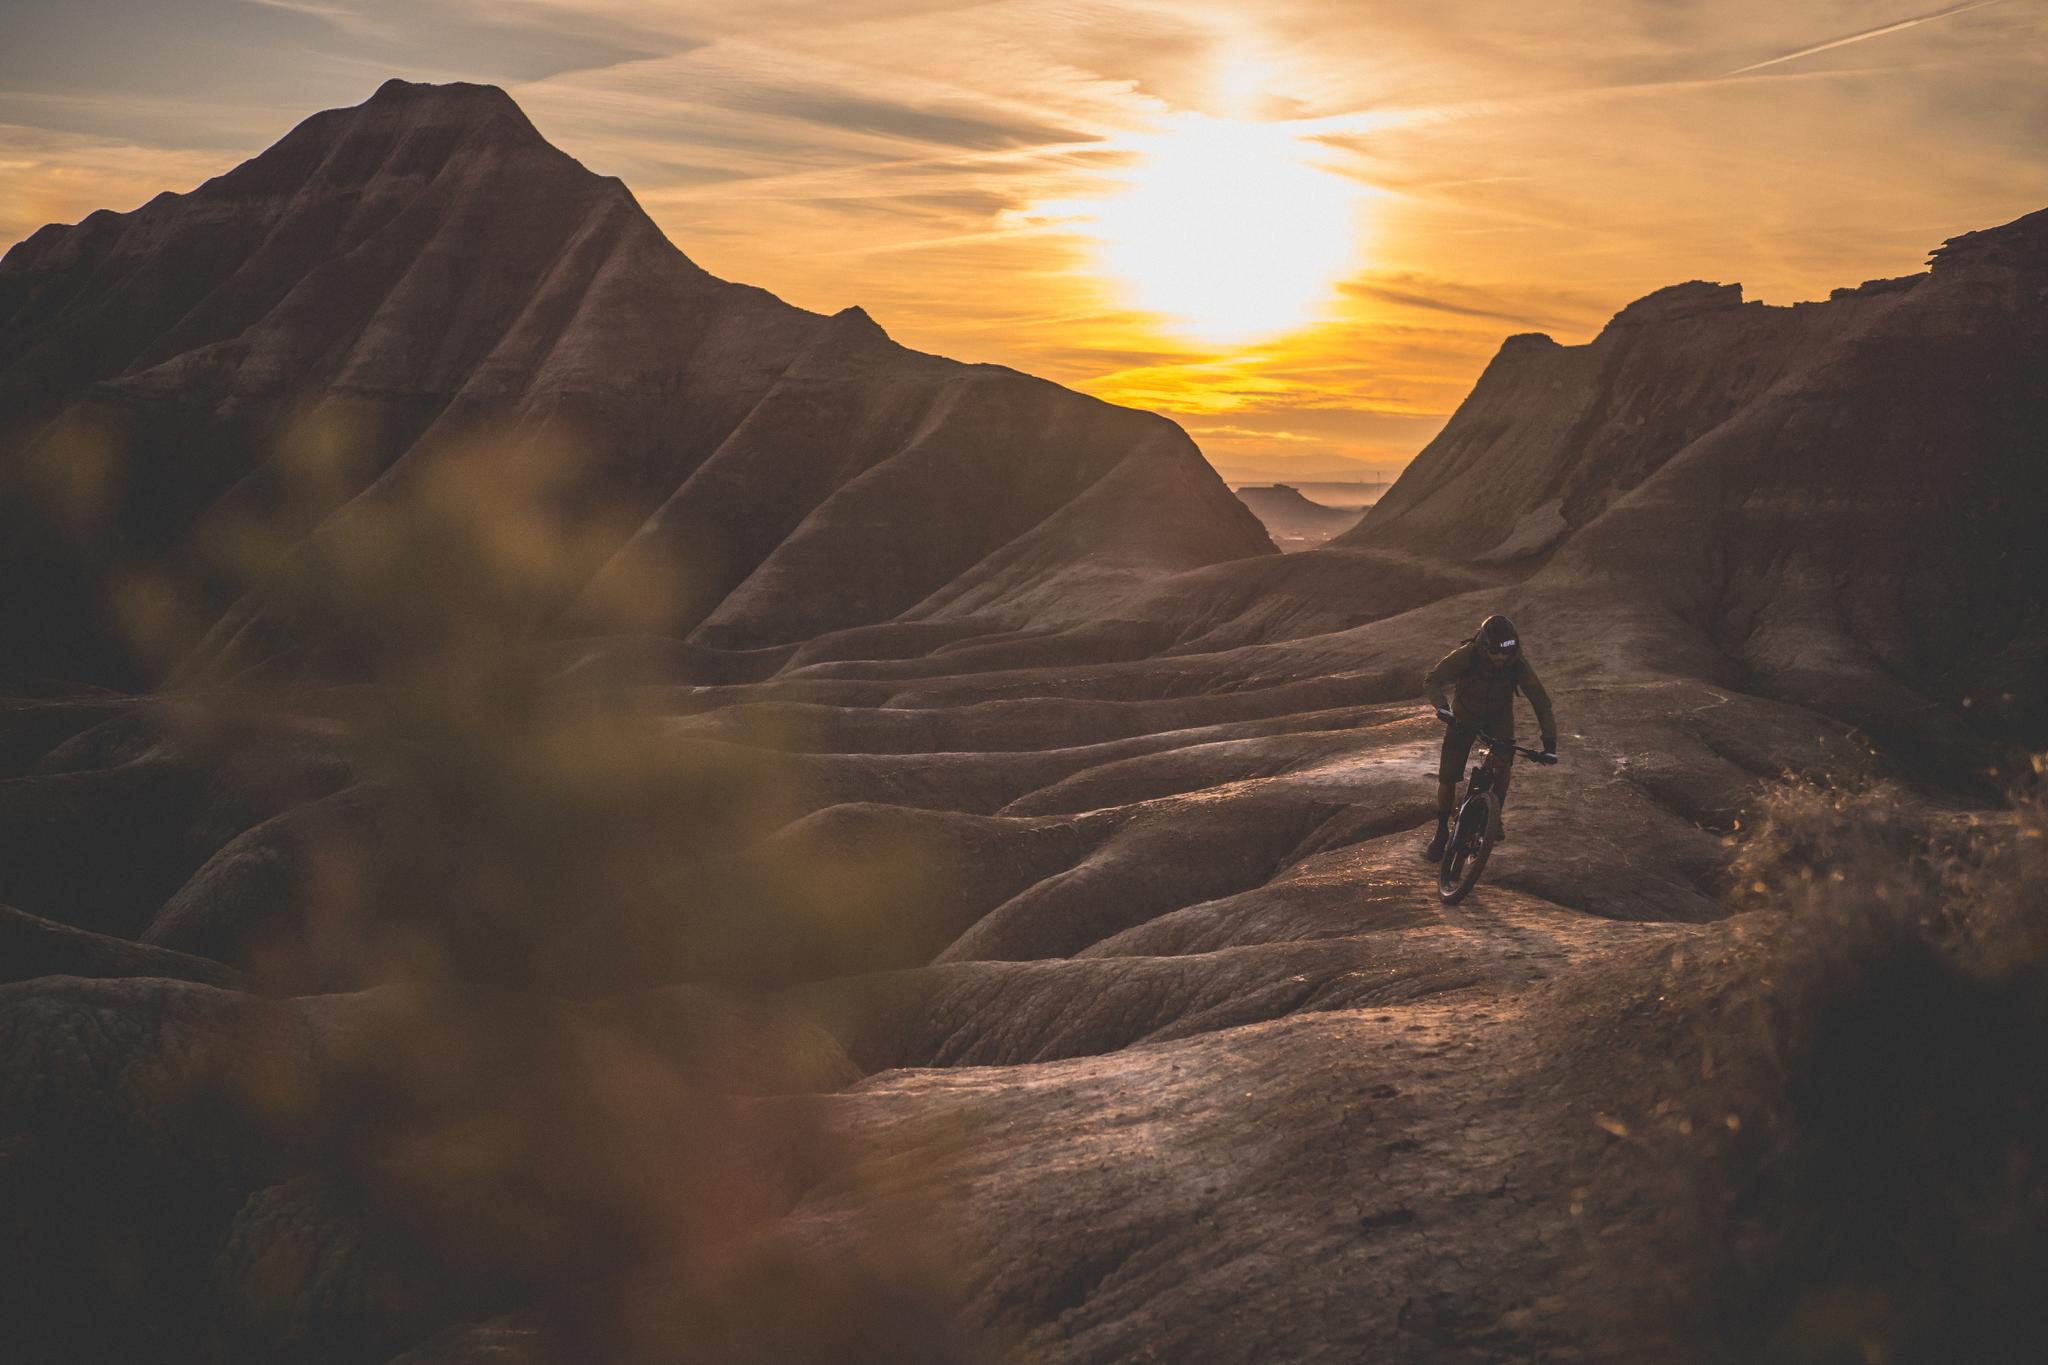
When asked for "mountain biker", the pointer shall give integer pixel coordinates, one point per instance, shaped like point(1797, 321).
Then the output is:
point(1483, 674)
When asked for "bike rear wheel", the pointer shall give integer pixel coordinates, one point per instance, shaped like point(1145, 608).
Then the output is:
point(1465, 852)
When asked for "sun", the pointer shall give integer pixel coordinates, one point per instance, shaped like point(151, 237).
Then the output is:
point(1227, 230)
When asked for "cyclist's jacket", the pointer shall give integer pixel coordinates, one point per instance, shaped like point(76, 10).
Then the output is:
point(1485, 692)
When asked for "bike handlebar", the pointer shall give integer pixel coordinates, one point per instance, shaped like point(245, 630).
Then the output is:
point(1538, 755)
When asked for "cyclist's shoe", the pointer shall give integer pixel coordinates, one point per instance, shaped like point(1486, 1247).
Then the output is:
point(1500, 831)
point(1435, 851)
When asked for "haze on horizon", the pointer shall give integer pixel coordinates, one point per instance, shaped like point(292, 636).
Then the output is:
point(1301, 228)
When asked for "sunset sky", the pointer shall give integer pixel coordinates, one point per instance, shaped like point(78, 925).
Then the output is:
point(1300, 227)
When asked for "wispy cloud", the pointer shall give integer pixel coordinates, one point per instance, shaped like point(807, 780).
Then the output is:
point(347, 19)
point(1864, 36)
point(1408, 297)
point(1256, 433)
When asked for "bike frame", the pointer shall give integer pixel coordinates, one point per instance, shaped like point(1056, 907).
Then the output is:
point(1477, 823)
point(1485, 774)
point(1488, 769)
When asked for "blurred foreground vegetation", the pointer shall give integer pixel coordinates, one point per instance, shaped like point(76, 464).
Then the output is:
point(568, 1110)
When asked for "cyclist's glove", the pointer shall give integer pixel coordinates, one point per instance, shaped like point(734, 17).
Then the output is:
point(1443, 714)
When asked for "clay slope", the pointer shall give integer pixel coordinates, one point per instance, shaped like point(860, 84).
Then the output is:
point(1845, 495)
point(407, 275)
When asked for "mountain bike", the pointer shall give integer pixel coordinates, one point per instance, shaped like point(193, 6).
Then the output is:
point(1477, 823)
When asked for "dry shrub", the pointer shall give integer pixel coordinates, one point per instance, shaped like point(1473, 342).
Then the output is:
point(1886, 1199)
point(485, 1138)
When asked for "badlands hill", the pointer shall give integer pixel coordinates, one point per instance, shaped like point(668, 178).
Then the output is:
point(1162, 1026)
point(1838, 494)
point(421, 271)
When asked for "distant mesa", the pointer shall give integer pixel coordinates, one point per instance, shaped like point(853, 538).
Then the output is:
point(425, 266)
point(1295, 521)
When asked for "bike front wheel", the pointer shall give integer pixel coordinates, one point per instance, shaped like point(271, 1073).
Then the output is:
point(1465, 852)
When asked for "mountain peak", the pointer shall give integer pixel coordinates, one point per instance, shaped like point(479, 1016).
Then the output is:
point(1528, 343)
point(453, 95)
point(405, 131)
point(460, 103)
point(856, 321)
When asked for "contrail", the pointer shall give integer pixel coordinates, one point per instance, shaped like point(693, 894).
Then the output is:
point(1866, 34)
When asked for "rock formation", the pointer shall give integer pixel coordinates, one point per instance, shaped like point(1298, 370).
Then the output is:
point(1840, 494)
point(424, 271)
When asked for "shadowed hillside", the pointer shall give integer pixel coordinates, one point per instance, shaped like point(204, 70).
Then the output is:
point(1843, 495)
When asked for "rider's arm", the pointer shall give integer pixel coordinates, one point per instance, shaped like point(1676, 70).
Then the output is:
point(1539, 702)
point(1449, 669)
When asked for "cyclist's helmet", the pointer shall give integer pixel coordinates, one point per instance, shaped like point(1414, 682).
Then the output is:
point(1497, 633)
